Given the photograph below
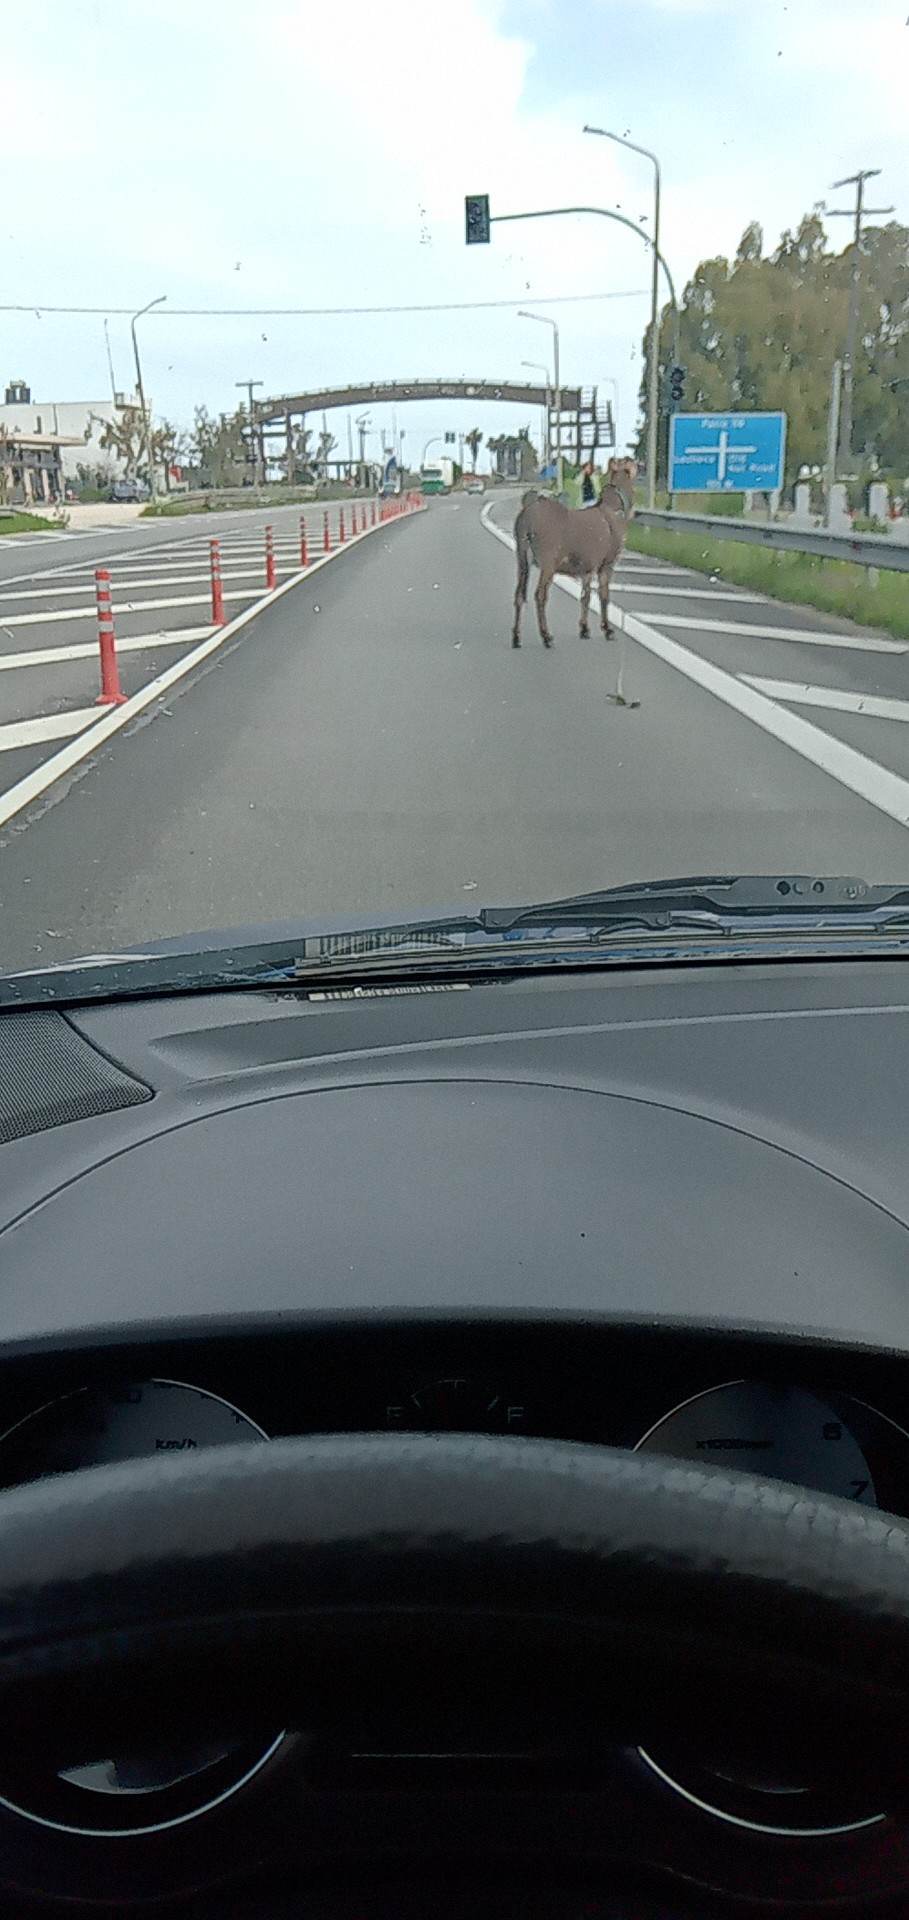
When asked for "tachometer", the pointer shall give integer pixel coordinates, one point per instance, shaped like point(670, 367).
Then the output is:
point(784, 1432)
point(145, 1790)
point(832, 1444)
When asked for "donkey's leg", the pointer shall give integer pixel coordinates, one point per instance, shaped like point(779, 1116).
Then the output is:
point(520, 593)
point(584, 625)
point(603, 585)
point(547, 575)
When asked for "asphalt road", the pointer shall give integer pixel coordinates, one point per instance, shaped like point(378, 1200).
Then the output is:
point(372, 743)
point(161, 594)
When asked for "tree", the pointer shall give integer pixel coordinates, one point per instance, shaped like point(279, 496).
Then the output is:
point(515, 455)
point(763, 331)
point(326, 446)
point(299, 462)
point(168, 446)
point(219, 448)
point(474, 440)
point(123, 435)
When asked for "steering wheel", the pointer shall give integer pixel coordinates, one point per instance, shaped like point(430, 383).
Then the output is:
point(572, 1587)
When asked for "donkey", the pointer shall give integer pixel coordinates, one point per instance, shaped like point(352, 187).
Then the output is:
point(582, 541)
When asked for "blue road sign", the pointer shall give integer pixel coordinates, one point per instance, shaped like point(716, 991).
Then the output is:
point(726, 452)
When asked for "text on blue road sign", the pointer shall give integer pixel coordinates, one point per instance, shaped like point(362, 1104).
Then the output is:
point(726, 452)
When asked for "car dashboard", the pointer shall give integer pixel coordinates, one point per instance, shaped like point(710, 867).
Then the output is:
point(664, 1211)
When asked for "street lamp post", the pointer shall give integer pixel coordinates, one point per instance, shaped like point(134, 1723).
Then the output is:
point(146, 423)
point(544, 321)
point(538, 366)
point(436, 441)
point(653, 398)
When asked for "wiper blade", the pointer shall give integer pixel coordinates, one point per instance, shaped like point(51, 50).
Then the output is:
point(718, 900)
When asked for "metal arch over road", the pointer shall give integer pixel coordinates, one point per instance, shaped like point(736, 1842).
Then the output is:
point(584, 424)
point(371, 392)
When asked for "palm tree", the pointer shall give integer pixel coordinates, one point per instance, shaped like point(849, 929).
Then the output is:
point(474, 440)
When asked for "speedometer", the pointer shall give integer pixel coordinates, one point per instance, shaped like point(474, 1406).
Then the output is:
point(833, 1444)
point(145, 1790)
point(100, 1425)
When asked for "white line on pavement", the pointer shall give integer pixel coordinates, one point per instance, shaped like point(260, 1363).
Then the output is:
point(121, 607)
point(743, 630)
point(51, 726)
point(87, 650)
point(874, 706)
point(169, 580)
point(624, 585)
point(886, 791)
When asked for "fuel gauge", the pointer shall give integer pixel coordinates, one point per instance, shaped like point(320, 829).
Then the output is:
point(459, 1403)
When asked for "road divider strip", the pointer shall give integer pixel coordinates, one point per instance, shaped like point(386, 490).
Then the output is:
point(37, 783)
point(887, 792)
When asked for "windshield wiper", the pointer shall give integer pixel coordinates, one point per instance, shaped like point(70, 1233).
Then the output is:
point(719, 900)
point(659, 921)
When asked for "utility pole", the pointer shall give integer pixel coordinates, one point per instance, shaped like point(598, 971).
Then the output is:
point(110, 365)
point(833, 417)
point(256, 447)
point(146, 416)
point(856, 214)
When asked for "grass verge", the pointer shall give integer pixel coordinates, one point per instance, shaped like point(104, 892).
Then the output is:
point(832, 586)
point(26, 523)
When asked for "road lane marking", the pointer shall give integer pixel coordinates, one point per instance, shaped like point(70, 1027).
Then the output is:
point(50, 726)
point(887, 792)
point(120, 607)
point(741, 629)
point(172, 580)
point(623, 584)
point(874, 706)
point(33, 785)
point(87, 650)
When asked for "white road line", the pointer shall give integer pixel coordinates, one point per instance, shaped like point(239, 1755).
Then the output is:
point(886, 791)
point(87, 650)
point(169, 580)
point(874, 706)
point(623, 584)
point(742, 630)
point(25, 791)
point(51, 726)
point(120, 607)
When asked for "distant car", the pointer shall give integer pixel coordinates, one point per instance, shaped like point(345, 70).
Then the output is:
point(474, 484)
point(128, 490)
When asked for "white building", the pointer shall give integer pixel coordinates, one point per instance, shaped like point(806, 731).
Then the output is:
point(79, 421)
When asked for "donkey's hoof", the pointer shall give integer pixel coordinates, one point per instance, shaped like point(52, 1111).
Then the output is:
point(584, 633)
point(515, 640)
point(548, 640)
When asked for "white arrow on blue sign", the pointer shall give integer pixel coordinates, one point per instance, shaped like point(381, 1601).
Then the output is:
point(726, 452)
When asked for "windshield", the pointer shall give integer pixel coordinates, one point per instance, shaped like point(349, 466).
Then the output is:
point(452, 457)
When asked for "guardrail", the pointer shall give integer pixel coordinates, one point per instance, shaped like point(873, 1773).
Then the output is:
point(865, 549)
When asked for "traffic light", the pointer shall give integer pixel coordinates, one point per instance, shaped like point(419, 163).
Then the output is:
point(450, 439)
point(476, 212)
point(677, 386)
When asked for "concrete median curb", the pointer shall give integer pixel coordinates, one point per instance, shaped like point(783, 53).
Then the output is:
point(33, 785)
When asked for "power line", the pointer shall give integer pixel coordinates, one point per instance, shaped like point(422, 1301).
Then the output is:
point(38, 308)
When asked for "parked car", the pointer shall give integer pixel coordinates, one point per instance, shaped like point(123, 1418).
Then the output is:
point(128, 490)
point(474, 483)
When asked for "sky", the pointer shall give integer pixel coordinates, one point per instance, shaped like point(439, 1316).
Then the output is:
point(311, 154)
